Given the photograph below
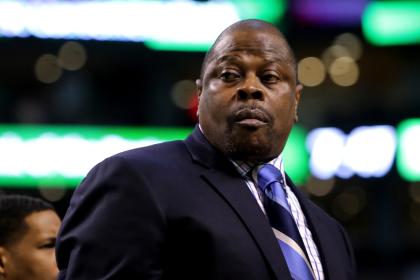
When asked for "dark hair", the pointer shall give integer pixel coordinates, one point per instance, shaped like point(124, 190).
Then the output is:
point(13, 210)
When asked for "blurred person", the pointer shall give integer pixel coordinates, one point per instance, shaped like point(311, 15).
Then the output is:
point(28, 231)
point(217, 205)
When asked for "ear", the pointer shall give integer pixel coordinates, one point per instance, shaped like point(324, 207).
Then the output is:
point(298, 92)
point(3, 261)
point(199, 85)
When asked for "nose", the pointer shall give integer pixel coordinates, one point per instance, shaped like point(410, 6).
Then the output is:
point(251, 88)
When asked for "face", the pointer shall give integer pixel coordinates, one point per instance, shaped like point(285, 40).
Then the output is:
point(33, 256)
point(248, 96)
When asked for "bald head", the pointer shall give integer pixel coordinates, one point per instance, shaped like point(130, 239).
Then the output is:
point(248, 94)
point(251, 28)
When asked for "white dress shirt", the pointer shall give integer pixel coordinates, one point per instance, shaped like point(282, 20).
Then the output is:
point(297, 213)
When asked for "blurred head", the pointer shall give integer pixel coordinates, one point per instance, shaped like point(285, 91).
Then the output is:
point(28, 230)
point(248, 92)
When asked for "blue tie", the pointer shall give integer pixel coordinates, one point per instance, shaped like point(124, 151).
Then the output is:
point(271, 183)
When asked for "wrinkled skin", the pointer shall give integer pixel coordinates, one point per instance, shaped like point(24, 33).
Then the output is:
point(33, 255)
point(248, 95)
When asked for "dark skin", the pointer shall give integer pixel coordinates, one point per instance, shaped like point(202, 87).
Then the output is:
point(33, 255)
point(248, 94)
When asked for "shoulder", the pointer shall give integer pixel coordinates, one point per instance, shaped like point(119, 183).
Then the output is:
point(134, 168)
point(150, 156)
point(132, 174)
point(162, 151)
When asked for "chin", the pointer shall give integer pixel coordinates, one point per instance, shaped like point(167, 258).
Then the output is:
point(250, 149)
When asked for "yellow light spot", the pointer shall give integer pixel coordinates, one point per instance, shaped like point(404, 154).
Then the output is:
point(344, 71)
point(352, 43)
point(72, 56)
point(47, 69)
point(334, 52)
point(311, 71)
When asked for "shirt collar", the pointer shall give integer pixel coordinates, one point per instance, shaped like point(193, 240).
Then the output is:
point(244, 167)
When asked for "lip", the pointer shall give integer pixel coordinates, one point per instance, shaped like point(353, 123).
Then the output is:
point(251, 122)
point(251, 117)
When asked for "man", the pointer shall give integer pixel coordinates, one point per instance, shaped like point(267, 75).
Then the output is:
point(28, 230)
point(193, 209)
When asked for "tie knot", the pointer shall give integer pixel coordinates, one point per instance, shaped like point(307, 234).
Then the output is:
point(267, 174)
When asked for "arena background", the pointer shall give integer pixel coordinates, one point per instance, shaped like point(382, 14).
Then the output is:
point(81, 80)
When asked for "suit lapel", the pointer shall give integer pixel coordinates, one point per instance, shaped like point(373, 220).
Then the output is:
point(236, 194)
point(225, 180)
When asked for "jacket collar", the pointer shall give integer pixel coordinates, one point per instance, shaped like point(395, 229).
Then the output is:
point(222, 176)
point(203, 152)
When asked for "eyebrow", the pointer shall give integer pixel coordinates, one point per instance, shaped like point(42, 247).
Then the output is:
point(227, 58)
point(236, 59)
point(274, 58)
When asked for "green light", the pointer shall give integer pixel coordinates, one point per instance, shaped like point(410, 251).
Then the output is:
point(296, 157)
point(408, 155)
point(28, 132)
point(177, 46)
point(392, 23)
point(268, 10)
point(60, 156)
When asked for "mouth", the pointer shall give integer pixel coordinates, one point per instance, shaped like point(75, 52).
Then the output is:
point(252, 118)
point(251, 122)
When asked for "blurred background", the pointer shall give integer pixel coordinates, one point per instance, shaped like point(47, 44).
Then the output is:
point(82, 80)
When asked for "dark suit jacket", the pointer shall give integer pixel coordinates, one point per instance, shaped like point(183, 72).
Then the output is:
point(179, 210)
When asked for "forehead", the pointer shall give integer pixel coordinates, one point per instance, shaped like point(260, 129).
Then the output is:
point(268, 45)
point(43, 223)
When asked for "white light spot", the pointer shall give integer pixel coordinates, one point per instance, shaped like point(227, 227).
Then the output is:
point(326, 146)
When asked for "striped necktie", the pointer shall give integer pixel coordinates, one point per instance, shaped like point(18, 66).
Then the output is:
point(271, 183)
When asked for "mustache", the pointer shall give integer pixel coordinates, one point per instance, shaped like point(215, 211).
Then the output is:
point(250, 112)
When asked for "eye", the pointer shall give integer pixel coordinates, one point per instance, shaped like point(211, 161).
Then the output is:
point(270, 78)
point(229, 76)
point(47, 245)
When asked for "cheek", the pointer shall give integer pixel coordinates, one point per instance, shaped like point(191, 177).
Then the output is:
point(41, 265)
point(284, 87)
point(21, 266)
point(284, 109)
point(214, 85)
point(215, 100)
point(46, 259)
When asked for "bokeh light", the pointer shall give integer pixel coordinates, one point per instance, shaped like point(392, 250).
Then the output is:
point(72, 56)
point(192, 111)
point(47, 69)
point(349, 203)
point(414, 191)
point(344, 71)
point(311, 71)
point(352, 44)
point(52, 194)
point(319, 187)
point(332, 53)
point(182, 94)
